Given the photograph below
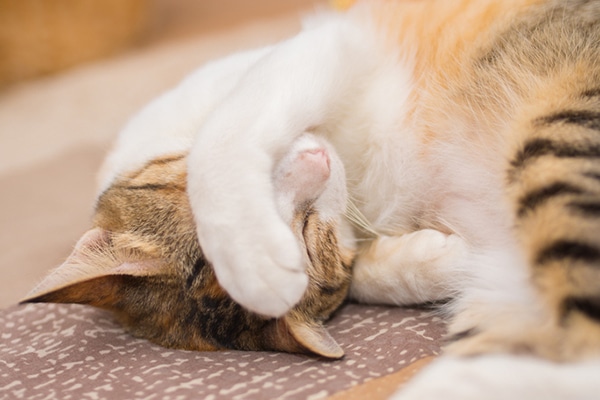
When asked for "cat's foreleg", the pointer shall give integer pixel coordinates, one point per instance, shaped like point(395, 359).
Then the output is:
point(415, 268)
point(293, 89)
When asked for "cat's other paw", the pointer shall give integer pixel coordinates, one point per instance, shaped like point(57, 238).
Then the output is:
point(414, 268)
point(429, 246)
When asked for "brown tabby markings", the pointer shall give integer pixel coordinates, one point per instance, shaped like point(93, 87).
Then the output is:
point(146, 218)
point(524, 72)
point(553, 174)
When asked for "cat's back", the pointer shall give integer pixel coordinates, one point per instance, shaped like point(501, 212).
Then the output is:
point(453, 43)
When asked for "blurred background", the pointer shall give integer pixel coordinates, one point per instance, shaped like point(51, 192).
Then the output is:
point(71, 73)
point(38, 37)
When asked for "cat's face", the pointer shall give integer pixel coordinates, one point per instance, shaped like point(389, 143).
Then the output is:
point(142, 259)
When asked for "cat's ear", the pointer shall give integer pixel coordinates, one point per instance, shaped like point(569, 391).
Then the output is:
point(299, 336)
point(314, 337)
point(90, 274)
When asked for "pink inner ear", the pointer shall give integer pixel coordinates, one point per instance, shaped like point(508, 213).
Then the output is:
point(139, 268)
point(92, 258)
point(96, 237)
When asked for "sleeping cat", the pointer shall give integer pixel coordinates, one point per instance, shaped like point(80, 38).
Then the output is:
point(142, 259)
point(470, 136)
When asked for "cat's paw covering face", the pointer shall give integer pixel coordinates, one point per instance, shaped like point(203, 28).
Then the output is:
point(132, 261)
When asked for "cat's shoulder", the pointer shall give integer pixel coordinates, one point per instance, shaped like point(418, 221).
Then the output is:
point(169, 123)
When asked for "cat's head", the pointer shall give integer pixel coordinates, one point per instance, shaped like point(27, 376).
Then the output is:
point(142, 260)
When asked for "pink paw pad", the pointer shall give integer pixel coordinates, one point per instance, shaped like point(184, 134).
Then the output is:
point(304, 172)
point(313, 164)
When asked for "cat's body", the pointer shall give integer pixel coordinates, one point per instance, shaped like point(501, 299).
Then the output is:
point(469, 132)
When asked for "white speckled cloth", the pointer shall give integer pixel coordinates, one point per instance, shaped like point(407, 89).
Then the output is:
point(50, 351)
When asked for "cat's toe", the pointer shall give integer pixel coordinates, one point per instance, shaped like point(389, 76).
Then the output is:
point(267, 276)
point(272, 293)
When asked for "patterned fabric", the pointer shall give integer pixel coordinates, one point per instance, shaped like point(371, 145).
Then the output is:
point(52, 351)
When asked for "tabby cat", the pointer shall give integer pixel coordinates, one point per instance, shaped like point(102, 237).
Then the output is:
point(470, 135)
point(142, 259)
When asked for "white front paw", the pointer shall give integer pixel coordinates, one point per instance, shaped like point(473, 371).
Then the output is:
point(266, 274)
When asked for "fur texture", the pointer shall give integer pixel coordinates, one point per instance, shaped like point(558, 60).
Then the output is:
point(469, 133)
point(142, 260)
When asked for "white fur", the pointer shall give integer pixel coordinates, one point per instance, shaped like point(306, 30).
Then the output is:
point(293, 89)
point(338, 79)
point(501, 377)
point(170, 123)
point(414, 268)
point(238, 117)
